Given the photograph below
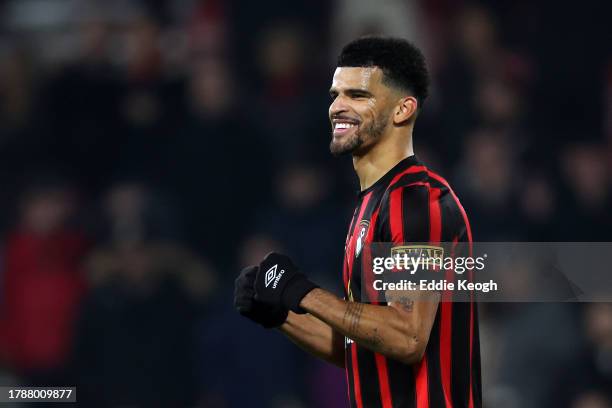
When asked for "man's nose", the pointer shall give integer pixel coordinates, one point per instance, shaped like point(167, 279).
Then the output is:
point(338, 105)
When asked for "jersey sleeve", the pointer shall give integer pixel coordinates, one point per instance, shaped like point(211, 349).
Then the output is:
point(411, 214)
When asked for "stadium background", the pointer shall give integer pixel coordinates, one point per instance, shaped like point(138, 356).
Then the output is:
point(150, 149)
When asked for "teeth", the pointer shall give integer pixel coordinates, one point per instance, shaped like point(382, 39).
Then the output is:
point(343, 125)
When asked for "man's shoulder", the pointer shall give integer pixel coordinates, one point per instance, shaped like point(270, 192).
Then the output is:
point(419, 178)
point(422, 188)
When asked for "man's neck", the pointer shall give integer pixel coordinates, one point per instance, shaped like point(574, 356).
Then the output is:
point(377, 162)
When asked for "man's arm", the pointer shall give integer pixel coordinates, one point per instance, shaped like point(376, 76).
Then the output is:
point(399, 331)
point(315, 337)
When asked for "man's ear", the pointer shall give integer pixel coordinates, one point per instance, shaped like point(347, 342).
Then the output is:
point(406, 110)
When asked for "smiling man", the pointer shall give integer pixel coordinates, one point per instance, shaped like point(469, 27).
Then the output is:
point(412, 350)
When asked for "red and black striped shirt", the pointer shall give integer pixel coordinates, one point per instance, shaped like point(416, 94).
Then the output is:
point(413, 204)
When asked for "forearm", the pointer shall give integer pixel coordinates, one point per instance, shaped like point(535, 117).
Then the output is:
point(315, 337)
point(388, 330)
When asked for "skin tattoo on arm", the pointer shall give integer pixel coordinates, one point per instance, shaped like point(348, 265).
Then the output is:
point(352, 318)
point(406, 303)
point(405, 300)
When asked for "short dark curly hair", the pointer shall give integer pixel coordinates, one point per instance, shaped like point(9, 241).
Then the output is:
point(402, 63)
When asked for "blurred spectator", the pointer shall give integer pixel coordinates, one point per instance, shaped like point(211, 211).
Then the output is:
point(587, 193)
point(21, 136)
point(592, 399)
point(43, 286)
point(498, 105)
point(151, 102)
point(135, 340)
point(217, 164)
point(589, 380)
point(598, 321)
point(525, 352)
point(84, 125)
point(481, 81)
point(208, 28)
point(132, 212)
point(488, 183)
point(305, 201)
point(354, 18)
point(235, 351)
point(539, 208)
point(293, 117)
point(16, 90)
point(142, 52)
point(256, 247)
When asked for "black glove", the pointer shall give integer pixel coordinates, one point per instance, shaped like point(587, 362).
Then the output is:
point(244, 301)
point(279, 283)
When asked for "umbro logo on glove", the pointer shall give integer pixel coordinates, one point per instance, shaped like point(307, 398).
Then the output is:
point(271, 275)
point(280, 283)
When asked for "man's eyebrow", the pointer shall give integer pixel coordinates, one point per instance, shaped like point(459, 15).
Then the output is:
point(351, 91)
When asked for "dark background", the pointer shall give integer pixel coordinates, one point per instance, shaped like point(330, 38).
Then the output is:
point(150, 149)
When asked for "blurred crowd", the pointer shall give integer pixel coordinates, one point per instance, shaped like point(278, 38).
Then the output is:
point(150, 149)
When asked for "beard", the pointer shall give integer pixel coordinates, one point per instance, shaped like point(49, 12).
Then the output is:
point(352, 144)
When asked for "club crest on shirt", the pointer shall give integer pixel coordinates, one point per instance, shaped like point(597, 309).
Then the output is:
point(363, 231)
